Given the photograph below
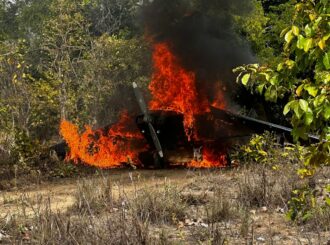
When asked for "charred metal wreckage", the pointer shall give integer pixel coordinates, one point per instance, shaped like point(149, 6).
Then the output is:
point(217, 130)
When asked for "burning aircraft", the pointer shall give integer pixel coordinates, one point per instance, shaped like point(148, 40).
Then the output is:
point(190, 119)
point(179, 126)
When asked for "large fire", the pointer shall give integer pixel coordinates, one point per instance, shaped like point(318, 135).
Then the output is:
point(104, 149)
point(173, 88)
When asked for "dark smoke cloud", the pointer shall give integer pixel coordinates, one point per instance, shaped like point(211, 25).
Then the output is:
point(202, 35)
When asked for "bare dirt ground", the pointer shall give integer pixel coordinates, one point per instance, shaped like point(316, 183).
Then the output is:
point(62, 191)
point(213, 211)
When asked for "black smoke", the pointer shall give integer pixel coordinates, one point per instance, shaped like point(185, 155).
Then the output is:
point(203, 35)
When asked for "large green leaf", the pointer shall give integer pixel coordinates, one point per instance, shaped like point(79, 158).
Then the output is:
point(313, 91)
point(303, 105)
point(287, 107)
point(246, 78)
point(297, 110)
point(308, 44)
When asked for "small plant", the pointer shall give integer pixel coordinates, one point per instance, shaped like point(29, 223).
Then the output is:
point(301, 205)
point(304, 207)
point(265, 149)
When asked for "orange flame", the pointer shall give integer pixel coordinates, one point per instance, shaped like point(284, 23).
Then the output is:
point(211, 159)
point(103, 149)
point(174, 89)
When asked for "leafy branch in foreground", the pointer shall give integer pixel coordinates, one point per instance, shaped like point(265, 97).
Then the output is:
point(302, 79)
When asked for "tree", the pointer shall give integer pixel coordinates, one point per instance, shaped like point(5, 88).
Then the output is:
point(113, 64)
point(302, 75)
point(112, 17)
point(65, 41)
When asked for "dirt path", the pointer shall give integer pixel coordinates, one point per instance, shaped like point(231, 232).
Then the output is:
point(62, 192)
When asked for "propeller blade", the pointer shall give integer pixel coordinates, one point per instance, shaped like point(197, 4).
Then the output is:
point(144, 108)
point(140, 99)
point(156, 140)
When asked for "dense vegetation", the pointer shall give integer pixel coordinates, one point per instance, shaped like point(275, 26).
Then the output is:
point(74, 58)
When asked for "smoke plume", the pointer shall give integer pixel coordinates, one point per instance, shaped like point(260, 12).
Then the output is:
point(203, 35)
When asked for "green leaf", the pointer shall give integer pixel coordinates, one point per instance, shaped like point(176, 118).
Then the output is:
point(307, 216)
point(284, 31)
point(300, 42)
point(290, 63)
point(271, 94)
point(303, 105)
point(287, 107)
point(280, 67)
point(319, 100)
point(288, 36)
point(321, 44)
point(267, 76)
point(299, 89)
point(313, 91)
point(260, 88)
point(309, 117)
point(246, 78)
point(295, 30)
point(326, 61)
point(327, 189)
point(274, 80)
point(308, 44)
point(326, 37)
point(297, 109)
point(327, 112)
point(308, 31)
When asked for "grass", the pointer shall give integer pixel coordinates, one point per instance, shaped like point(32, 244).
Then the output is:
point(261, 186)
point(210, 207)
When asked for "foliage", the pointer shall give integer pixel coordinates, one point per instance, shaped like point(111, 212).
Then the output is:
point(252, 27)
point(111, 17)
point(64, 42)
point(112, 65)
point(267, 150)
point(25, 149)
point(52, 67)
point(303, 206)
point(301, 77)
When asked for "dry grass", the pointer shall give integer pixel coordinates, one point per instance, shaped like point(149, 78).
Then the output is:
point(262, 187)
point(220, 208)
point(159, 206)
point(214, 207)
